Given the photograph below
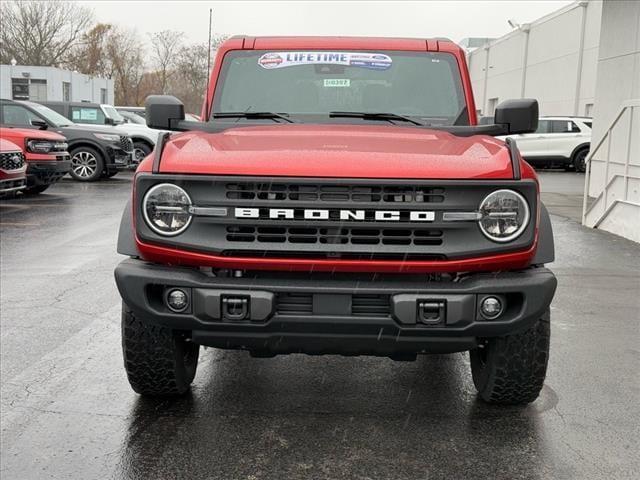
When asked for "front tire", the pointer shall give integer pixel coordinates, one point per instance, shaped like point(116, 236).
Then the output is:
point(87, 164)
point(511, 370)
point(158, 360)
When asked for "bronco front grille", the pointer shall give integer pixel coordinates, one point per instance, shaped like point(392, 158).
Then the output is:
point(292, 192)
point(334, 218)
point(11, 161)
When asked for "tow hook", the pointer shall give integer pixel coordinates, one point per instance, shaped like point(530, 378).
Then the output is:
point(431, 312)
point(235, 308)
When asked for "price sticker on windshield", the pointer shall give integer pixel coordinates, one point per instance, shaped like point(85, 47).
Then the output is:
point(337, 82)
point(368, 60)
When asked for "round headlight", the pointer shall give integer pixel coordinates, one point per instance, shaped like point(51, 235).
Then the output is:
point(505, 215)
point(166, 209)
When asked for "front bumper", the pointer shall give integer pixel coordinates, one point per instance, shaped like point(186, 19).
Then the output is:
point(12, 185)
point(119, 159)
point(47, 172)
point(320, 313)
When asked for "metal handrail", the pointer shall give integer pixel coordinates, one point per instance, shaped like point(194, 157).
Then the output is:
point(627, 105)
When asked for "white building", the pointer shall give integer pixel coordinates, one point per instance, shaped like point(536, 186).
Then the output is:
point(20, 82)
point(612, 194)
point(552, 59)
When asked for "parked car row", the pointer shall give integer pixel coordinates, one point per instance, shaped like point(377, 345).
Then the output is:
point(558, 142)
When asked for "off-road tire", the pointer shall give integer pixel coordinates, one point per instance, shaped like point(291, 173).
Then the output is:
point(158, 360)
point(511, 370)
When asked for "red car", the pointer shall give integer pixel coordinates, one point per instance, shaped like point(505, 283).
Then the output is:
point(343, 200)
point(12, 168)
point(46, 155)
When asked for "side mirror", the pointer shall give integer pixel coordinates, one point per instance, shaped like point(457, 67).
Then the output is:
point(41, 124)
point(163, 112)
point(518, 116)
point(109, 121)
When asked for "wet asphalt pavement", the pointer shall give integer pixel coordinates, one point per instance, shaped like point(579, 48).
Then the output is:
point(67, 411)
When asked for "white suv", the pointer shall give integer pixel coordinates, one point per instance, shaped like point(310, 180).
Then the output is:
point(558, 142)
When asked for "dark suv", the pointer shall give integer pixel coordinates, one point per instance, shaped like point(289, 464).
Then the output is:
point(96, 151)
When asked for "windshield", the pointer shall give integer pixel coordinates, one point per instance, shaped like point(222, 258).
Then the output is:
point(111, 112)
point(419, 84)
point(53, 117)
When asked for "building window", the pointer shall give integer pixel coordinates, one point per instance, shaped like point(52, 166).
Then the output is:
point(103, 95)
point(20, 88)
point(38, 90)
point(66, 91)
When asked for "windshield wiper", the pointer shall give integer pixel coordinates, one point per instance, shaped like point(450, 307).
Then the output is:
point(250, 115)
point(377, 116)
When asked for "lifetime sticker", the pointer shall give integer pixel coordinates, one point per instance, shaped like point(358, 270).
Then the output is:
point(372, 61)
point(337, 82)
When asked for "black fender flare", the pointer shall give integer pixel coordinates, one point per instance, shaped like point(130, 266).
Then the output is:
point(546, 251)
point(146, 141)
point(83, 142)
point(126, 236)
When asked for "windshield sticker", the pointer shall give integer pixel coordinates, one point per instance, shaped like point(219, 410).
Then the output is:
point(337, 82)
point(372, 61)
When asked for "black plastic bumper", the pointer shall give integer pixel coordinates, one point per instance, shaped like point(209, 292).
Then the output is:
point(46, 172)
point(388, 315)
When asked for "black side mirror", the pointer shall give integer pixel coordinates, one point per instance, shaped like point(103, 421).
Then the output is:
point(109, 121)
point(518, 116)
point(41, 124)
point(163, 112)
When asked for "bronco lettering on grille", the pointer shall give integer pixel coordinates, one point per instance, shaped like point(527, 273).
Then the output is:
point(326, 214)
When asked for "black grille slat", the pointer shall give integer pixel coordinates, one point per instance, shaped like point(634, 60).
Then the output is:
point(335, 236)
point(294, 303)
point(370, 305)
point(335, 193)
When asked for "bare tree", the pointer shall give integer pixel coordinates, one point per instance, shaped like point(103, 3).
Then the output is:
point(165, 46)
point(40, 33)
point(90, 55)
point(190, 77)
point(126, 64)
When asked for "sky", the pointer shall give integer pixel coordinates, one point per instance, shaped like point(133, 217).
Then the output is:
point(454, 19)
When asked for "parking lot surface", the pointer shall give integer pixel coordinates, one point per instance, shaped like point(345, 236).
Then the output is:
point(68, 412)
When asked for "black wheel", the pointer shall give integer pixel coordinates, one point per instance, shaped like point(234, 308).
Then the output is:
point(87, 164)
point(35, 189)
point(140, 151)
point(580, 160)
point(510, 370)
point(158, 361)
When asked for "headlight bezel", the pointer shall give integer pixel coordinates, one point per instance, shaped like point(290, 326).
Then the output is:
point(50, 146)
point(523, 226)
point(145, 213)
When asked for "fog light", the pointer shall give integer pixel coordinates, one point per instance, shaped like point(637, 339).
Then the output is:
point(177, 300)
point(491, 307)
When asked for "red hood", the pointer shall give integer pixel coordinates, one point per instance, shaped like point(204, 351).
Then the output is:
point(17, 135)
point(336, 151)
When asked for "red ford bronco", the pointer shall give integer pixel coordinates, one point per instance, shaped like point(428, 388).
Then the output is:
point(46, 155)
point(338, 197)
